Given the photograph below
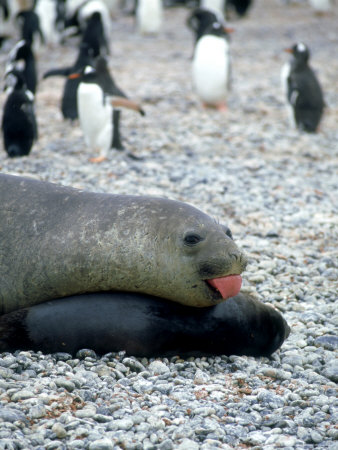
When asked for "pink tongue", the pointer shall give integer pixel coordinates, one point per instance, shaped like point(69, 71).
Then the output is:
point(228, 286)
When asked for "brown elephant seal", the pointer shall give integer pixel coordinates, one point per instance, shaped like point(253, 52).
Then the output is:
point(57, 241)
point(143, 325)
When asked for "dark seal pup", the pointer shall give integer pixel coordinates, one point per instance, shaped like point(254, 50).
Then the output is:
point(57, 241)
point(145, 326)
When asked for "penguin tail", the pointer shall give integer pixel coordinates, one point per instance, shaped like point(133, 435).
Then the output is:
point(122, 102)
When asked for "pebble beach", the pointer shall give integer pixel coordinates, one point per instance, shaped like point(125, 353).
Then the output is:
point(274, 186)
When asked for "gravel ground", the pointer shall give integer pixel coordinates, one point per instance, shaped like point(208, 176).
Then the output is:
point(277, 190)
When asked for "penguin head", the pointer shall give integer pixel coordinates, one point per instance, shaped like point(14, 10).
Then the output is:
point(218, 29)
point(300, 53)
point(14, 80)
point(86, 75)
point(21, 51)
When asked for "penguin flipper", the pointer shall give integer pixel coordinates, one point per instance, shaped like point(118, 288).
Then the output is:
point(126, 103)
point(58, 72)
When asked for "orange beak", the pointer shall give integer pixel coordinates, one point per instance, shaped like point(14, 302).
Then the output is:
point(288, 50)
point(73, 76)
point(229, 30)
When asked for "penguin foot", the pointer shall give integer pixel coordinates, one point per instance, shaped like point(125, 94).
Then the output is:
point(98, 159)
point(222, 107)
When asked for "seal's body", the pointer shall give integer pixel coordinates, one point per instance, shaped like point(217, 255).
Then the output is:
point(144, 326)
point(57, 241)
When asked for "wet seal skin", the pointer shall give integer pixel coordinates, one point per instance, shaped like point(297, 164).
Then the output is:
point(56, 241)
point(143, 325)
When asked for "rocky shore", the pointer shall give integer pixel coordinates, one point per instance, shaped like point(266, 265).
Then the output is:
point(275, 187)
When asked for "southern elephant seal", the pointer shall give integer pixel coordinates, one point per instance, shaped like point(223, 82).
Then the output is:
point(57, 241)
point(143, 325)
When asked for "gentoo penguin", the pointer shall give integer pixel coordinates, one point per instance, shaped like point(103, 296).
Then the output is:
point(149, 16)
point(320, 6)
point(22, 58)
point(211, 66)
point(69, 96)
point(47, 11)
point(200, 20)
point(97, 96)
point(29, 23)
point(303, 91)
point(19, 125)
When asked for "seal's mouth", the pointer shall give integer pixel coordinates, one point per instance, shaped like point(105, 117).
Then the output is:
point(228, 286)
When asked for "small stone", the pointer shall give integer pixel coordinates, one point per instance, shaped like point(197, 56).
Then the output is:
point(134, 364)
point(188, 444)
point(22, 395)
point(11, 415)
point(166, 445)
point(67, 384)
point(85, 412)
point(36, 412)
point(158, 368)
point(101, 444)
point(122, 424)
point(59, 430)
point(316, 437)
point(255, 438)
point(86, 353)
point(331, 370)
point(201, 377)
point(327, 341)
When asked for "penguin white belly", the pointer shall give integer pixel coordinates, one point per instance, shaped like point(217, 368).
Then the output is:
point(211, 69)
point(149, 15)
point(95, 116)
point(285, 72)
point(321, 5)
point(217, 5)
point(46, 10)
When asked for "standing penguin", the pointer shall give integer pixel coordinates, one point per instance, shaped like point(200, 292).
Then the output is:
point(320, 7)
point(211, 66)
point(47, 11)
point(19, 126)
point(22, 58)
point(69, 96)
point(303, 91)
point(149, 16)
point(97, 96)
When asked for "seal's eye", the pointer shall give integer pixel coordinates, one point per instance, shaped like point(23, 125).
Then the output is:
point(192, 239)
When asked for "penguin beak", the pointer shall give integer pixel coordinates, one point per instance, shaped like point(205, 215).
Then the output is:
point(122, 102)
point(73, 76)
point(229, 30)
point(288, 50)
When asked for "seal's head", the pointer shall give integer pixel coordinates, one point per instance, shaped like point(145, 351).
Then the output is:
point(184, 255)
